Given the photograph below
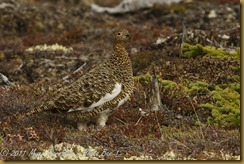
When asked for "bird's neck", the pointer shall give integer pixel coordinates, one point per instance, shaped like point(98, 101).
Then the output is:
point(120, 55)
point(119, 48)
point(121, 62)
point(120, 52)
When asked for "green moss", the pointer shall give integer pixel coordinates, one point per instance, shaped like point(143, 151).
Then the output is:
point(177, 8)
point(233, 78)
point(198, 123)
point(197, 87)
point(238, 53)
point(143, 78)
point(234, 68)
point(167, 84)
point(192, 50)
point(199, 50)
point(226, 109)
point(236, 87)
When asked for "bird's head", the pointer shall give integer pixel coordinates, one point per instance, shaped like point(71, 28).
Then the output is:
point(121, 36)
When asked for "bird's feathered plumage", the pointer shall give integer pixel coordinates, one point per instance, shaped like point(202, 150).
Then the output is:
point(98, 92)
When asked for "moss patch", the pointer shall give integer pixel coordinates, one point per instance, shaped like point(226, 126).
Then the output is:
point(226, 109)
point(167, 84)
point(198, 87)
point(199, 50)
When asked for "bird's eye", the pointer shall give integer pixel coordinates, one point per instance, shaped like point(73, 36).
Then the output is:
point(119, 33)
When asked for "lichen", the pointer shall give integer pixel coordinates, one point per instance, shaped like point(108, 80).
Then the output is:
point(66, 151)
point(139, 158)
point(54, 47)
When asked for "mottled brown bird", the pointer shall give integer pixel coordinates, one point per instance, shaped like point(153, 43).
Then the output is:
point(95, 95)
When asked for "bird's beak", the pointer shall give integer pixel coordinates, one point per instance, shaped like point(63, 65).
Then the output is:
point(127, 36)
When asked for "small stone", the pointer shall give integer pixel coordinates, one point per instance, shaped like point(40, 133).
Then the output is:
point(212, 14)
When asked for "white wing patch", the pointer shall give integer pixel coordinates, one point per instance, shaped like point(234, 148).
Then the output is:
point(106, 98)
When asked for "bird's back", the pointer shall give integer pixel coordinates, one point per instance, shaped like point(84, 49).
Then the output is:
point(82, 93)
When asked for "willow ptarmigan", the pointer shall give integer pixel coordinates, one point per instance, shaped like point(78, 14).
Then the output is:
point(95, 95)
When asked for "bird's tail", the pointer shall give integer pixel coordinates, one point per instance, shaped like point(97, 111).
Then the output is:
point(42, 108)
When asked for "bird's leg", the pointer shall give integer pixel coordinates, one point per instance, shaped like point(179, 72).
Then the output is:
point(81, 125)
point(101, 120)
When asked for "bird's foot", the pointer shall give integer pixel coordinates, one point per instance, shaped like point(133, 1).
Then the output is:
point(101, 121)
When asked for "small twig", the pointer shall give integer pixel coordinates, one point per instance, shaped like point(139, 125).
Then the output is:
point(183, 40)
point(137, 122)
point(145, 98)
point(143, 114)
point(121, 121)
point(180, 143)
point(184, 32)
point(158, 124)
point(196, 115)
point(65, 57)
point(231, 29)
point(232, 76)
point(77, 70)
point(216, 134)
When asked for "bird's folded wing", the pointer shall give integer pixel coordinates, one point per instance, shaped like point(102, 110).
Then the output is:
point(89, 92)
